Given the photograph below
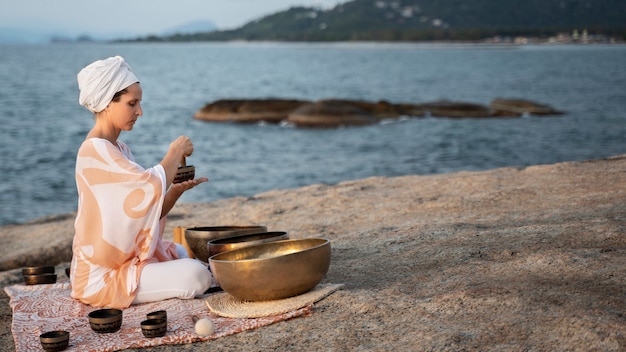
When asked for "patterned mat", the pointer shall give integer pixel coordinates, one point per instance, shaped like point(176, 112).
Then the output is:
point(41, 308)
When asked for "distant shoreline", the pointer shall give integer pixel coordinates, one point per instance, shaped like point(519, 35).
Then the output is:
point(517, 41)
point(521, 41)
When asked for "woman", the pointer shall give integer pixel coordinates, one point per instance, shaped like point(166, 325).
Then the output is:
point(119, 255)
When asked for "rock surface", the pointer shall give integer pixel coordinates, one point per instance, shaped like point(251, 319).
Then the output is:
point(518, 107)
point(330, 113)
point(248, 111)
point(456, 109)
point(515, 259)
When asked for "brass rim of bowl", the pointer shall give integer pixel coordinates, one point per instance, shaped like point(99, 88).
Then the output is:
point(105, 316)
point(37, 270)
point(159, 314)
point(216, 258)
point(54, 336)
point(226, 228)
point(197, 237)
point(151, 324)
point(247, 238)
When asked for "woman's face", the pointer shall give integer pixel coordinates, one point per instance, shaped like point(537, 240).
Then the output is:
point(125, 112)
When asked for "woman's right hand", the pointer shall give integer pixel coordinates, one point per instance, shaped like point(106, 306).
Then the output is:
point(182, 145)
point(179, 148)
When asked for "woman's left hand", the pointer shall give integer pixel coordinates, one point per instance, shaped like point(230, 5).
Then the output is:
point(187, 185)
point(176, 190)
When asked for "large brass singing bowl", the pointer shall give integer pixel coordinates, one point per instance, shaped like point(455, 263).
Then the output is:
point(236, 242)
point(198, 237)
point(272, 270)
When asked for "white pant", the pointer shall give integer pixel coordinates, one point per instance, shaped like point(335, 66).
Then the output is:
point(181, 278)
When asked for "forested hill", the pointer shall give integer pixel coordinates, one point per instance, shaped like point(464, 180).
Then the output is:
point(414, 20)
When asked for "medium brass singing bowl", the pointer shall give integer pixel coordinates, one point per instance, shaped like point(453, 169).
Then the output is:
point(236, 242)
point(272, 270)
point(198, 237)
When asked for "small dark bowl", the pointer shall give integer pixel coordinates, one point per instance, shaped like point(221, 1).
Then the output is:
point(185, 173)
point(154, 327)
point(40, 279)
point(55, 340)
point(159, 314)
point(36, 270)
point(105, 320)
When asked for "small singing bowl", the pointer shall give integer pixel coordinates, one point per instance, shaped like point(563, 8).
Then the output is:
point(231, 243)
point(272, 270)
point(105, 320)
point(40, 279)
point(185, 173)
point(159, 314)
point(154, 327)
point(197, 237)
point(57, 340)
point(36, 270)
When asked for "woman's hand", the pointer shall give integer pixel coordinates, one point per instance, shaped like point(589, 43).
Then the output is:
point(177, 190)
point(179, 148)
point(182, 144)
point(187, 185)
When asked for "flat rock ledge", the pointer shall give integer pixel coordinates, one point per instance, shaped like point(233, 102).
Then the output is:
point(515, 259)
point(331, 113)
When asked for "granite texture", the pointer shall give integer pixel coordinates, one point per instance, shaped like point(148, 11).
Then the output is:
point(515, 259)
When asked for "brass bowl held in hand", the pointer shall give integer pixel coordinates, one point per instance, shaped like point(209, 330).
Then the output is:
point(236, 242)
point(272, 270)
point(185, 173)
point(53, 341)
point(105, 320)
point(198, 237)
point(40, 279)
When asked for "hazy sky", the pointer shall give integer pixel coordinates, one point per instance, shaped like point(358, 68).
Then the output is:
point(139, 16)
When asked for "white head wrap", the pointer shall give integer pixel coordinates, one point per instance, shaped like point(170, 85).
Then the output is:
point(99, 81)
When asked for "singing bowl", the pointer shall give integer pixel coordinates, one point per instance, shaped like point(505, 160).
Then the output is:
point(53, 341)
point(236, 242)
point(198, 237)
point(159, 314)
point(185, 173)
point(154, 327)
point(36, 270)
point(272, 270)
point(40, 279)
point(105, 320)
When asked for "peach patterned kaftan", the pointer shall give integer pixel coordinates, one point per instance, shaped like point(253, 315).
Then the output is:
point(118, 227)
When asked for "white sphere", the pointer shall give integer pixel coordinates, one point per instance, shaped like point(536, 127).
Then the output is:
point(204, 327)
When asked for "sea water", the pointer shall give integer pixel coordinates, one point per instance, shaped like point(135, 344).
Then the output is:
point(42, 124)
